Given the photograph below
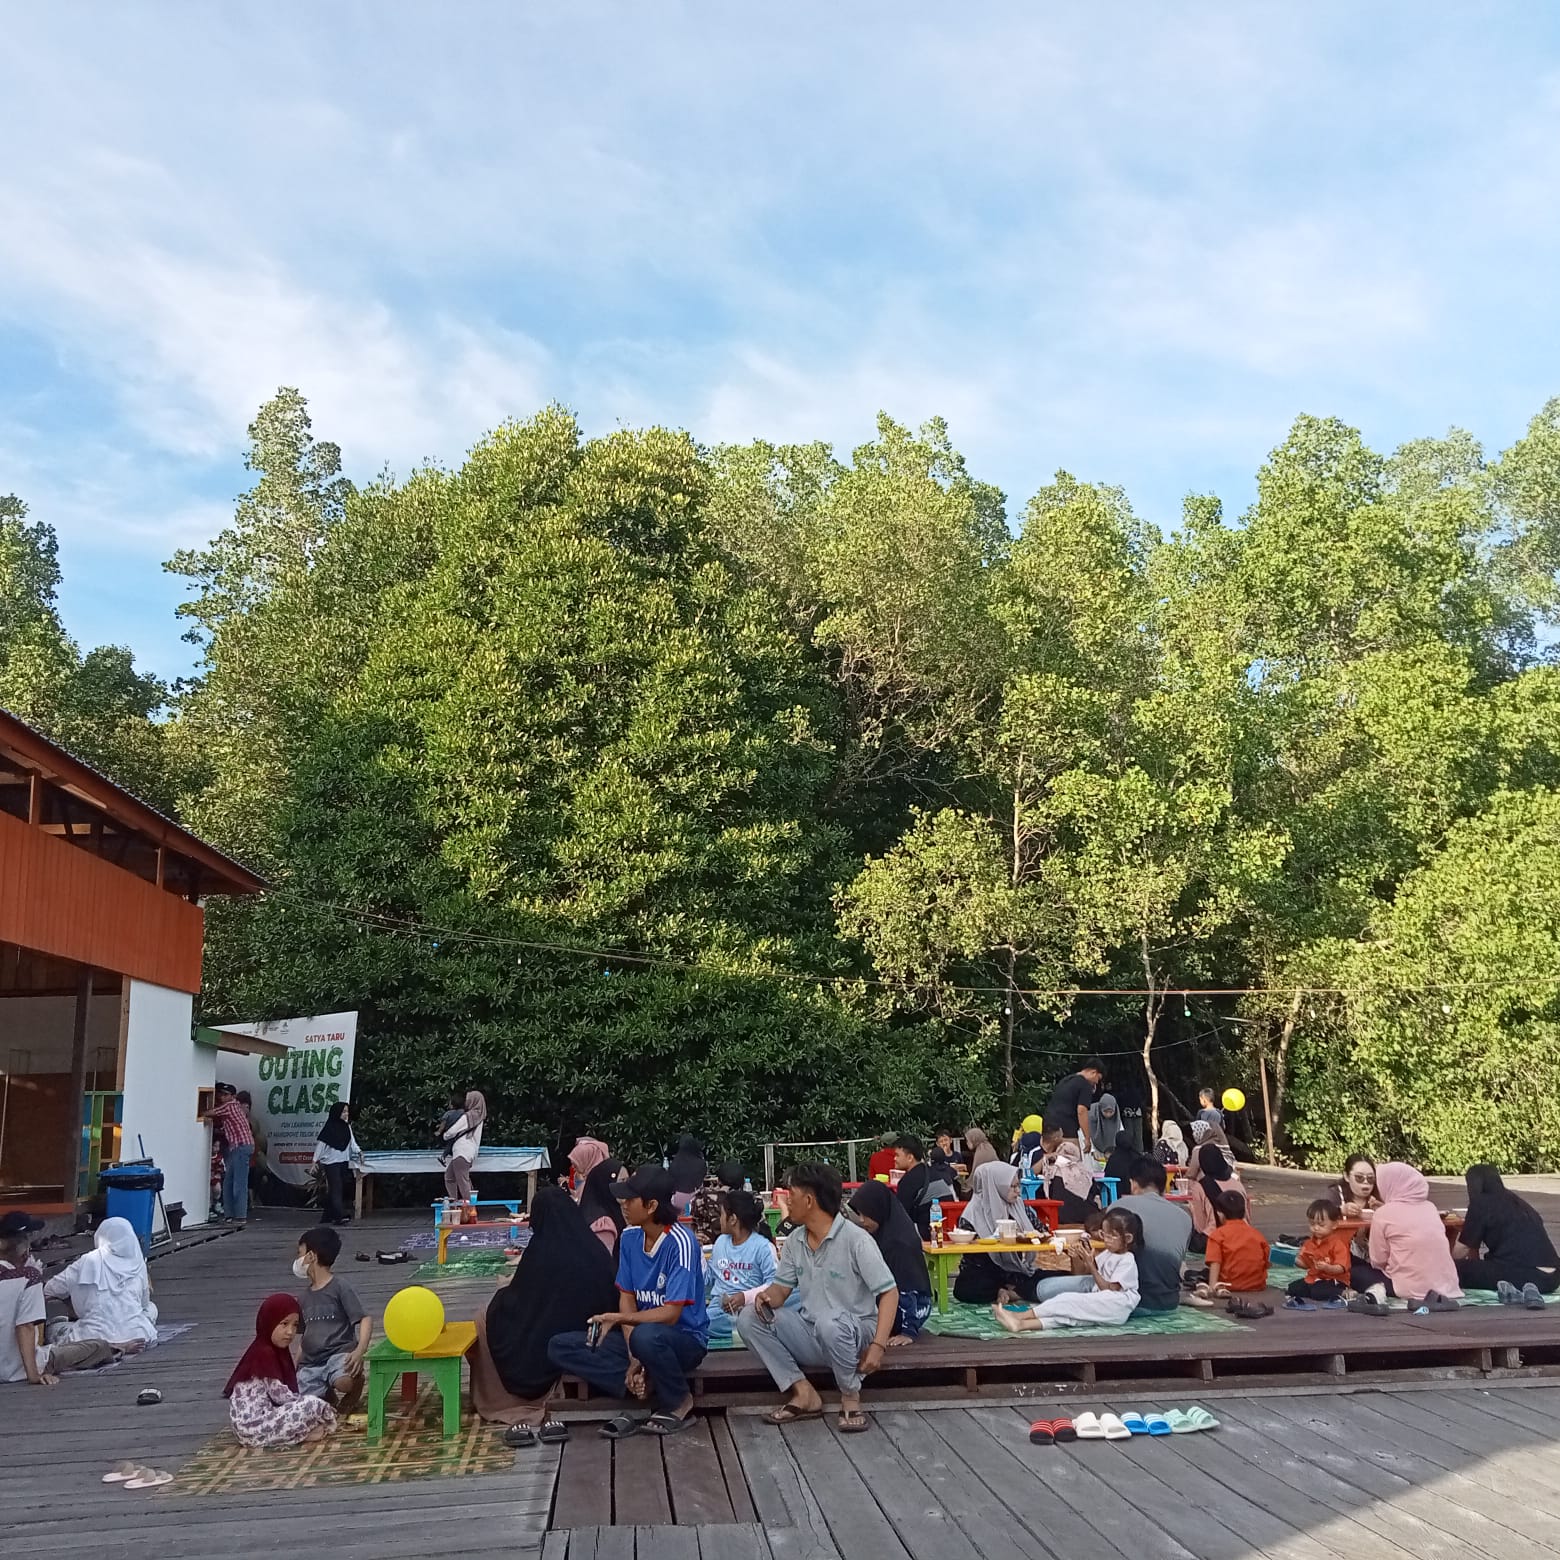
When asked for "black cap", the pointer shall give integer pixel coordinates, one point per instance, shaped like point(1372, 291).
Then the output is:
point(649, 1182)
point(18, 1223)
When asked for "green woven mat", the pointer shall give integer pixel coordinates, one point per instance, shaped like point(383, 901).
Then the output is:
point(1489, 1297)
point(976, 1321)
point(476, 1264)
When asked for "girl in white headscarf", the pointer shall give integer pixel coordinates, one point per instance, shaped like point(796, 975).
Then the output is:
point(109, 1291)
point(1171, 1148)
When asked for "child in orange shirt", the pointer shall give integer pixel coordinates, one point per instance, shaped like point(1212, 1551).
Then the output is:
point(1237, 1253)
point(1325, 1258)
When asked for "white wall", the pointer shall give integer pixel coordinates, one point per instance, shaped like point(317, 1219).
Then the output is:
point(164, 1072)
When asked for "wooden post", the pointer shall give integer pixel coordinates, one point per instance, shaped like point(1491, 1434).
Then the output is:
point(1267, 1108)
point(78, 1083)
point(35, 799)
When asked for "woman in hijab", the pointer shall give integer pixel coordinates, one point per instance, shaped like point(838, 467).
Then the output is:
point(109, 1292)
point(264, 1403)
point(705, 1211)
point(1073, 1184)
point(465, 1135)
point(1408, 1243)
point(1104, 1124)
point(984, 1278)
point(1211, 1173)
point(1518, 1255)
point(587, 1153)
point(565, 1278)
point(883, 1217)
point(1118, 1167)
point(1171, 1149)
point(334, 1151)
point(978, 1146)
point(601, 1210)
point(688, 1171)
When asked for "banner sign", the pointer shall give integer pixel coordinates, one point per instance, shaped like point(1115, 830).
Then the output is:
point(291, 1095)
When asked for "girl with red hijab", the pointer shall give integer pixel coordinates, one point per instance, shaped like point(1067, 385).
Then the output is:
point(263, 1390)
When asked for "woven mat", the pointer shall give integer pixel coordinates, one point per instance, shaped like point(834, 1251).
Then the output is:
point(976, 1321)
point(412, 1448)
point(472, 1264)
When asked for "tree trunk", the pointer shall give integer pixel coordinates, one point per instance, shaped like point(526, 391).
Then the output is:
point(1153, 1005)
point(1281, 1061)
point(1009, 1020)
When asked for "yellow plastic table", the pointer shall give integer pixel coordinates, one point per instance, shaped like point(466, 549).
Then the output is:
point(941, 1258)
point(441, 1360)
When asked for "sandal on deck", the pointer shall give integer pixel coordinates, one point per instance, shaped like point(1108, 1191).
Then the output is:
point(519, 1436)
point(552, 1432)
point(786, 1415)
point(852, 1422)
point(1368, 1305)
point(623, 1426)
point(1042, 1433)
point(1249, 1310)
point(669, 1424)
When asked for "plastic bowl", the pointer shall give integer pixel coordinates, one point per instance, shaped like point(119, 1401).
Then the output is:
point(961, 1237)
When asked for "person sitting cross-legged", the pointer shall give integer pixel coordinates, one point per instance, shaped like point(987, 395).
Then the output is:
point(660, 1331)
point(848, 1304)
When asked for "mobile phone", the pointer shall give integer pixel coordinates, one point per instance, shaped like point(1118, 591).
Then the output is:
point(765, 1310)
point(593, 1334)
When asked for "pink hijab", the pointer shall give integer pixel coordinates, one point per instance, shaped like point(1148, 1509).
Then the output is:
point(586, 1154)
point(1407, 1239)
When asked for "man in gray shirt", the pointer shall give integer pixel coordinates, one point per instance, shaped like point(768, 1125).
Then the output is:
point(1167, 1227)
point(848, 1303)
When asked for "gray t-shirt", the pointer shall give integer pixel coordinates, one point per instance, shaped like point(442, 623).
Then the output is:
point(846, 1273)
point(1167, 1228)
point(330, 1319)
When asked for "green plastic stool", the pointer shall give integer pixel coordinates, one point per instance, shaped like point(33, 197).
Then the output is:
point(440, 1360)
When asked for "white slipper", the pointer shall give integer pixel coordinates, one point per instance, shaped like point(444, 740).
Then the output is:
point(1113, 1428)
point(121, 1473)
point(1089, 1427)
point(153, 1478)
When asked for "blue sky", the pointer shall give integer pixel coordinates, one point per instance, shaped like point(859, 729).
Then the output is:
point(1134, 240)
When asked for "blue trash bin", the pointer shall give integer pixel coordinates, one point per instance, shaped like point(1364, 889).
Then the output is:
point(132, 1194)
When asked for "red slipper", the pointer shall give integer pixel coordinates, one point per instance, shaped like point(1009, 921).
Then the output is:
point(1063, 1430)
point(1042, 1433)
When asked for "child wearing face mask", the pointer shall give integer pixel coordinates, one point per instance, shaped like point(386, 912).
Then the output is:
point(336, 1330)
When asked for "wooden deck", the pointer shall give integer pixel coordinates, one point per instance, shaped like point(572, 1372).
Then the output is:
point(1307, 1466)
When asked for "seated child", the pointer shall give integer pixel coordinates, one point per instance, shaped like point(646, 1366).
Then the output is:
point(1325, 1258)
point(335, 1330)
point(22, 1357)
point(742, 1262)
point(264, 1402)
point(1237, 1253)
point(1115, 1295)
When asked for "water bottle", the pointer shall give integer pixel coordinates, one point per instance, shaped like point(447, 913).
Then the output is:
point(747, 1183)
point(937, 1222)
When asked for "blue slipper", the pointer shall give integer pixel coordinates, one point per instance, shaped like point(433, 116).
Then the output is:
point(1158, 1425)
point(1135, 1423)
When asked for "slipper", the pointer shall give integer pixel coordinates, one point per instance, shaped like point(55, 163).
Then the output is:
point(1249, 1310)
point(786, 1415)
point(1180, 1422)
point(1367, 1305)
point(1532, 1297)
point(1203, 1301)
point(1295, 1303)
point(1200, 1419)
point(1158, 1424)
point(1436, 1303)
point(519, 1436)
point(1042, 1433)
point(1331, 1305)
point(1509, 1293)
point(1064, 1430)
point(1113, 1429)
point(122, 1472)
point(553, 1432)
point(150, 1479)
point(1089, 1427)
point(669, 1424)
point(1136, 1424)
point(620, 1428)
point(852, 1423)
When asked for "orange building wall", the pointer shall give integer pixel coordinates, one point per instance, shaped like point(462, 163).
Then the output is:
point(58, 899)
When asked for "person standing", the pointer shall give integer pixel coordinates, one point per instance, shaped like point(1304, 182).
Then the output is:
point(1068, 1109)
point(335, 1152)
point(230, 1118)
point(465, 1136)
point(848, 1305)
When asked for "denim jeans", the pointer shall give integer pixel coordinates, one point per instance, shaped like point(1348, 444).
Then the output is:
point(235, 1179)
point(667, 1354)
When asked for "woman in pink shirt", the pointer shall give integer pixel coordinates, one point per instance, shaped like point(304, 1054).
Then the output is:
point(1408, 1240)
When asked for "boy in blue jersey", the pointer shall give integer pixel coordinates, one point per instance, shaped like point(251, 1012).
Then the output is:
point(660, 1330)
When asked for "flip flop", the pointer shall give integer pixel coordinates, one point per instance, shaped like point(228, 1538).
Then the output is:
point(1295, 1303)
point(553, 1432)
point(1203, 1302)
point(623, 1426)
point(1367, 1305)
point(1200, 1419)
point(1089, 1427)
point(1042, 1433)
point(1180, 1422)
point(1436, 1303)
point(852, 1423)
point(1114, 1429)
point(1136, 1424)
point(1158, 1424)
point(1065, 1431)
point(786, 1415)
point(1533, 1297)
point(153, 1477)
point(520, 1436)
point(121, 1473)
point(669, 1424)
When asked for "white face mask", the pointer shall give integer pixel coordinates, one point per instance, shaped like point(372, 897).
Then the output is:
point(300, 1269)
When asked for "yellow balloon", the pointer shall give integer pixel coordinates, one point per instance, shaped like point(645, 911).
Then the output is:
point(1234, 1100)
point(414, 1318)
point(1033, 1124)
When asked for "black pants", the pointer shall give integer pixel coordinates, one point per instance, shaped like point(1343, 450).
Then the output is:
point(337, 1208)
point(1362, 1275)
point(668, 1354)
point(1488, 1272)
point(1322, 1289)
point(979, 1279)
